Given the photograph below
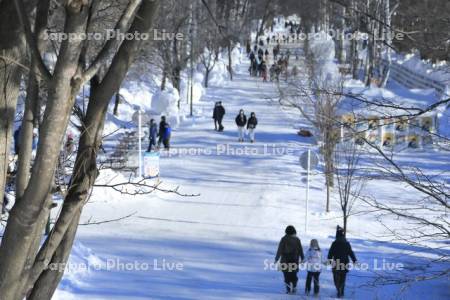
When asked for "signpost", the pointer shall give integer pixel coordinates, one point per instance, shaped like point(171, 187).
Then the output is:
point(138, 117)
point(140, 144)
point(308, 160)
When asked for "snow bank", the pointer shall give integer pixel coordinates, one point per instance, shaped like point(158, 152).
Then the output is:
point(198, 88)
point(138, 93)
point(324, 53)
point(219, 75)
point(81, 264)
point(437, 71)
point(236, 56)
point(166, 103)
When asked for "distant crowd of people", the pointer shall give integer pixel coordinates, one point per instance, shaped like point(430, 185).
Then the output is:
point(259, 55)
point(290, 255)
point(258, 63)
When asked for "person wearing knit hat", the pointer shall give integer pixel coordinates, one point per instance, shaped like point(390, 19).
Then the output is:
point(338, 255)
point(340, 231)
point(290, 254)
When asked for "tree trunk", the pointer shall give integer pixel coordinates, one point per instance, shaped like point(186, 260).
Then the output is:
point(329, 162)
point(230, 60)
point(26, 137)
point(164, 81)
point(58, 243)
point(31, 105)
point(354, 43)
point(38, 231)
point(176, 82)
point(327, 209)
point(345, 219)
point(116, 104)
point(341, 54)
point(387, 33)
point(207, 77)
point(355, 59)
point(12, 54)
point(46, 285)
point(25, 215)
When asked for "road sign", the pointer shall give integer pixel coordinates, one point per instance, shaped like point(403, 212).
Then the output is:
point(313, 160)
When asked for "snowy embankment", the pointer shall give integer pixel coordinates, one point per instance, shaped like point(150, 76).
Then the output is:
point(218, 245)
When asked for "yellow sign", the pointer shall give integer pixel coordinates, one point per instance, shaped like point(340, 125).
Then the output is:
point(388, 139)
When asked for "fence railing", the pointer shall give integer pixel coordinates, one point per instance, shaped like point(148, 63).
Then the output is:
point(410, 79)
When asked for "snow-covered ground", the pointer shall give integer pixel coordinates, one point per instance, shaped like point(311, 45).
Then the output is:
point(217, 245)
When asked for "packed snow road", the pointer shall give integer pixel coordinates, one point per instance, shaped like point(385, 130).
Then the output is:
point(216, 245)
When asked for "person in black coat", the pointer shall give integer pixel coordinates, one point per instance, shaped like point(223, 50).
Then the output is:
point(260, 52)
point(252, 56)
point(241, 121)
point(251, 126)
point(218, 114)
point(339, 254)
point(164, 133)
point(290, 254)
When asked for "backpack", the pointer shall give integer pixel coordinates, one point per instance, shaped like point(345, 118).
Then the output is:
point(167, 131)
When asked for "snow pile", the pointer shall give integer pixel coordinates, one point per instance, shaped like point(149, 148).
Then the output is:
point(166, 103)
point(139, 94)
point(81, 264)
point(322, 48)
point(219, 75)
point(198, 89)
point(412, 61)
point(236, 56)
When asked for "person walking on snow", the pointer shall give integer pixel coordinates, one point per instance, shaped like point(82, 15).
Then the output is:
point(164, 133)
point(251, 126)
point(219, 112)
point(290, 254)
point(313, 259)
point(241, 121)
point(263, 68)
point(338, 255)
point(152, 133)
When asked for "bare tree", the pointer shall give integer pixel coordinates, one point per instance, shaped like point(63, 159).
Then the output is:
point(12, 66)
point(23, 260)
point(209, 57)
point(312, 97)
point(350, 177)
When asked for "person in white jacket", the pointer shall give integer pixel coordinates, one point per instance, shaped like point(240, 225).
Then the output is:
point(313, 260)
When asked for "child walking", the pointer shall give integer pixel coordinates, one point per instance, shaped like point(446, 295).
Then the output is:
point(313, 259)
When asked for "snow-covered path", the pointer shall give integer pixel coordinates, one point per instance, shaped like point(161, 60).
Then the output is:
point(248, 194)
